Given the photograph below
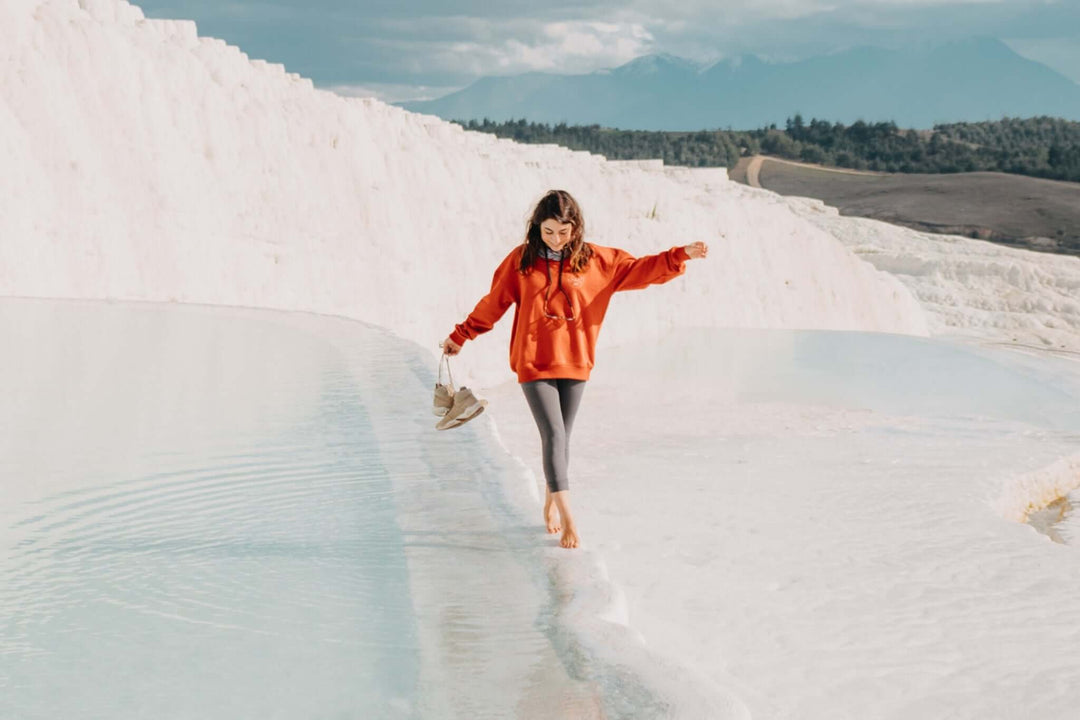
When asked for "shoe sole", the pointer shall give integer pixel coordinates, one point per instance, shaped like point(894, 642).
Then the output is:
point(462, 419)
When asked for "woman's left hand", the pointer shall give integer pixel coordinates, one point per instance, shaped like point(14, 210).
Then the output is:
point(696, 250)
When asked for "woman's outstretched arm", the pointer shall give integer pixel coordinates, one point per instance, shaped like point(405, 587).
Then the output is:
point(503, 293)
point(633, 273)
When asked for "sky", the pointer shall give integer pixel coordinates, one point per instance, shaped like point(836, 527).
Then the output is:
point(400, 50)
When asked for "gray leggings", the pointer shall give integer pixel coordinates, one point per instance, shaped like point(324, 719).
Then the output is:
point(554, 403)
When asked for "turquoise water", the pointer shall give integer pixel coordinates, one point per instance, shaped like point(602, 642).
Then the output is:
point(250, 569)
point(229, 513)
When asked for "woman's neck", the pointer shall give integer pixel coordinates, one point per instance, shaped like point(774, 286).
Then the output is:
point(551, 254)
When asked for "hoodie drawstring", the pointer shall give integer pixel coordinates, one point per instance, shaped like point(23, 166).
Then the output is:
point(569, 302)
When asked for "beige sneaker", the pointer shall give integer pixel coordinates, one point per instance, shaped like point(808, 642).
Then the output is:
point(466, 407)
point(444, 400)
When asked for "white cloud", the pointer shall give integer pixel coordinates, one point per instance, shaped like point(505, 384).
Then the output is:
point(515, 46)
point(728, 12)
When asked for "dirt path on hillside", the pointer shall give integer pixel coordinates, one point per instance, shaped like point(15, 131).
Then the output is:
point(753, 170)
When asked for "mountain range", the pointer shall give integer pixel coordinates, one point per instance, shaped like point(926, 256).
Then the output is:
point(970, 80)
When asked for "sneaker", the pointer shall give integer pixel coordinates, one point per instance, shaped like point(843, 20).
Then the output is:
point(466, 407)
point(459, 421)
point(444, 400)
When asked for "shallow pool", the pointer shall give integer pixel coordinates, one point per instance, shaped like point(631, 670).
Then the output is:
point(230, 513)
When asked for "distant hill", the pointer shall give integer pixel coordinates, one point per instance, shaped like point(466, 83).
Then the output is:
point(970, 80)
point(1025, 212)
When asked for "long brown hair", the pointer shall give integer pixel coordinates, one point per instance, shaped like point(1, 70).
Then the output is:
point(558, 205)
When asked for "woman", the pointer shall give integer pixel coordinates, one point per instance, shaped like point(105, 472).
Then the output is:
point(561, 286)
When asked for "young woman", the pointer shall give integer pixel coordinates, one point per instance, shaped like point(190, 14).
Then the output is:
point(561, 286)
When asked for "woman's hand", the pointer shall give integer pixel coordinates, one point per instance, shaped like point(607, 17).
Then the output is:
point(696, 250)
point(449, 347)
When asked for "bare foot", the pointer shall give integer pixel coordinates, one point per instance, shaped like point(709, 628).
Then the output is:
point(551, 516)
point(569, 536)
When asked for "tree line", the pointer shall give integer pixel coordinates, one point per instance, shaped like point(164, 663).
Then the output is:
point(1040, 146)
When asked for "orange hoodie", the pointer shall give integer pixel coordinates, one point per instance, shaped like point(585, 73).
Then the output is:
point(554, 347)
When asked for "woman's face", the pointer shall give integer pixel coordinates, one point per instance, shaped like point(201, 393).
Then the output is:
point(555, 234)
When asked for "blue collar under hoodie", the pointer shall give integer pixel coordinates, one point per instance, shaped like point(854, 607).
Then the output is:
point(551, 254)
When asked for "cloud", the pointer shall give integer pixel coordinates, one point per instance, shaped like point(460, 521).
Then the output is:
point(469, 47)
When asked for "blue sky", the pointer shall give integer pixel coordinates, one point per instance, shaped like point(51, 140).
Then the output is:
point(408, 49)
